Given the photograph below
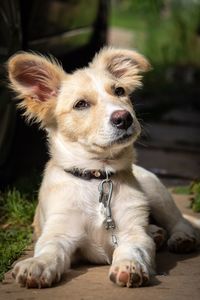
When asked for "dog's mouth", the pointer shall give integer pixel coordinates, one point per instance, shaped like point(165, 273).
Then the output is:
point(124, 138)
point(120, 139)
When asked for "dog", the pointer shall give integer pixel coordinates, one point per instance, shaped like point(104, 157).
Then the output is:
point(94, 201)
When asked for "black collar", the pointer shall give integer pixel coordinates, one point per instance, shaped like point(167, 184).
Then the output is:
point(89, 174)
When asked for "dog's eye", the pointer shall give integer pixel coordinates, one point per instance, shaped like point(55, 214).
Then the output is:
point(119, 91)
point(81, 104)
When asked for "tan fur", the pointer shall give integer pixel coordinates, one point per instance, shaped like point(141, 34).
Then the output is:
point(48, 73)
point(69, 219)
point(127, 65)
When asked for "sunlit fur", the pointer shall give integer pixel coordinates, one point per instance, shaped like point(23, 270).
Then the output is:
point(69, 218)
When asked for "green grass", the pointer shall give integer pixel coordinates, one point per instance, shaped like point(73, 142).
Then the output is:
point(194, 191)
point(17, 207)
point(13, 241)
point(182, 190)
point(16, 215)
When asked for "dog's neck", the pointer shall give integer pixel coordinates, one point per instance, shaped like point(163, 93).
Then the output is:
point(71, 156)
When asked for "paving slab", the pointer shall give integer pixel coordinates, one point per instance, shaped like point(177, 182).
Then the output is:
point(186, 115)
point(181, 167)
point(170, 147)
point(178, 279)
point(174, 136)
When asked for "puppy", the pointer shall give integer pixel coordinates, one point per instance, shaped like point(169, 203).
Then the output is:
point(94, 201)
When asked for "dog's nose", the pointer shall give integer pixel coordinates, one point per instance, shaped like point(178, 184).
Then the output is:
point(121, 119)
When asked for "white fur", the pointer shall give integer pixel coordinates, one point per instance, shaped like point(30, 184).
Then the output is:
point(69, 215)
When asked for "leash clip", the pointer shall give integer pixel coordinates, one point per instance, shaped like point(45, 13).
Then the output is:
point(106, 190)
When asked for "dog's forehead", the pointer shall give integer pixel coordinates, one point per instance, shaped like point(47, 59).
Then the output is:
point(98, 80)
point(86, 81)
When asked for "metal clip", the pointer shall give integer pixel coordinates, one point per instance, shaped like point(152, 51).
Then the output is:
point(105, 196)
point(106, 189)
point(109, 223)
point(114, 240)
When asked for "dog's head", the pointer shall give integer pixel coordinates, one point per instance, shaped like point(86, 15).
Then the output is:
point(91, 107)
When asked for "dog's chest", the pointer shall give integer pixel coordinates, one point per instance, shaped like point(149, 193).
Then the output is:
point(90, 201)
point(87, 200)
point(99, 240)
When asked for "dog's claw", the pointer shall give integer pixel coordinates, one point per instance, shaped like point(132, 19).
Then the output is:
point(35, 273)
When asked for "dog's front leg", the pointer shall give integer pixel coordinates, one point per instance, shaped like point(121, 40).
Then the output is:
point(53, 251)
point(133, 259)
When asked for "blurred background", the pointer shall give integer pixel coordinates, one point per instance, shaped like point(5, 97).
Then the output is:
point(168, 106)
point(168, 33)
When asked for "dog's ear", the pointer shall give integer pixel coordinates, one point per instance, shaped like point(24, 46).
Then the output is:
point(36, 80)
point(126, 65)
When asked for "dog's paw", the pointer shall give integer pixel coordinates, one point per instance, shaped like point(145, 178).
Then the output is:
point(128, 273)
point(158, 234)
point(35, 273)
point(181, 242)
